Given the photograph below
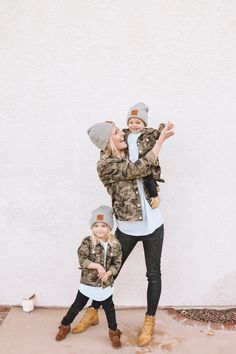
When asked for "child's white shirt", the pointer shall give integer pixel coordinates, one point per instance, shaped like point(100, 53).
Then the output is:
point(97, 293)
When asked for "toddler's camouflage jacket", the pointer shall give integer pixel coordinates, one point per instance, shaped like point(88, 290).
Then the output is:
point(145, 143)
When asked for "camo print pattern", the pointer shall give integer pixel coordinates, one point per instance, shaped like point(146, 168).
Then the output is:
point(145, 143)
point(88, 253)
point(119, 177)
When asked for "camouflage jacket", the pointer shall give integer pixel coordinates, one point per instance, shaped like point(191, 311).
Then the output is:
point(88, 253)
point(119, 176)
point(145, 143)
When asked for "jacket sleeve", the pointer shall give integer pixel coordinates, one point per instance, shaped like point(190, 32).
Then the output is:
point(158, 131)
point(83, 254)
point(116, 170)
point(116, 261)
point(160, 128)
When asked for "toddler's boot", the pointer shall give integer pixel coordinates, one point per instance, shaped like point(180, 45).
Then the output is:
point(145, 336)
point(90, 318)
point(115, 338)
point(62, 333)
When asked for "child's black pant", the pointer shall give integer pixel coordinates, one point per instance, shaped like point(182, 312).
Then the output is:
point(79, 303)
point(151, 186)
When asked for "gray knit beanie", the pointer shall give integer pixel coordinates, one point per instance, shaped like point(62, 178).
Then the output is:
point(102, 214)
point(100, 134)
point(139, 110)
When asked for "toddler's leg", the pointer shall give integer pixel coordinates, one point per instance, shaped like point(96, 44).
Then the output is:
point(79, 303)
point(152, 188)
point(114, 332)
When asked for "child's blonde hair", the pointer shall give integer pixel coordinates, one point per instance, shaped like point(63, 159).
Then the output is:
point(111, 239)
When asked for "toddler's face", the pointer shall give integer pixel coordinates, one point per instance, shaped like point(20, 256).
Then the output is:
point(101, 230)
point(135, 125)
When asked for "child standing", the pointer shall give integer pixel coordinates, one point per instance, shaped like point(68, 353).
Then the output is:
point(100, 259)
point(140, 140)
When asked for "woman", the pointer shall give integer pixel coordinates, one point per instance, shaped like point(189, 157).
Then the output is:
point(136, 220)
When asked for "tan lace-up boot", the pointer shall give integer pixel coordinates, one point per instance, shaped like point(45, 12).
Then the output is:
point(90, 318)
point(145, 336)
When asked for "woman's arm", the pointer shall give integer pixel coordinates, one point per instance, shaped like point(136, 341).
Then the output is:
point(166, 133)
point(113, 169)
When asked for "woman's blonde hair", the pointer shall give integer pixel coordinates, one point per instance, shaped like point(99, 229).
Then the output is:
point(110, 150)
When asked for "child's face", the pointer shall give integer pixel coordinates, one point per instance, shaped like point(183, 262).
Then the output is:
point(101, 230)
point(135, 125)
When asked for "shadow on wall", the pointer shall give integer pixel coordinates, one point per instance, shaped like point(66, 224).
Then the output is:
point(223, 292)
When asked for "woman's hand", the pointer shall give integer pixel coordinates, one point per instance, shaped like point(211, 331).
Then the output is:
point(167, 132)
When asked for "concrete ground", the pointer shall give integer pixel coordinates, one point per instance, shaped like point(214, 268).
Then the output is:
point(34, 333)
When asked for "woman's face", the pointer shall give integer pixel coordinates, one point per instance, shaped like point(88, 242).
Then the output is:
point(118, 138)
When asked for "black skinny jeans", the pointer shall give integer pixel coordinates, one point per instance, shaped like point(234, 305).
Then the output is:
point(152, 245)
point(79, 303)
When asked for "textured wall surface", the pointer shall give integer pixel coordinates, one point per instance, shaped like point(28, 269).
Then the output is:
point(68, 64)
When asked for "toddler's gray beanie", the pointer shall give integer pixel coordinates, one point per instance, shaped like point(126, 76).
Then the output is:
point(100, 134)
point(139, 110)
point(102, 214)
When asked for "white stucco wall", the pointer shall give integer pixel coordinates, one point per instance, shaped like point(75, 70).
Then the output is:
point(68, 64)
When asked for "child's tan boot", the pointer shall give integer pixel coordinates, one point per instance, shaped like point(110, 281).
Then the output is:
point(115, 338)
point(155, 201)
point(90, 318)
point(145, 336)
point(62, 333)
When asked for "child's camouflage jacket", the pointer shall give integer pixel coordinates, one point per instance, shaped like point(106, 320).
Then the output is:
point(88, 253)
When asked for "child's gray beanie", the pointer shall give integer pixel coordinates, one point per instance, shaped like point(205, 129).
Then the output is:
point(139, 110)
point(100, 134)
point(102, 214)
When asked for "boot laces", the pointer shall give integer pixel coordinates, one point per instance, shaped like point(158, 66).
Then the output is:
point(147, 328)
